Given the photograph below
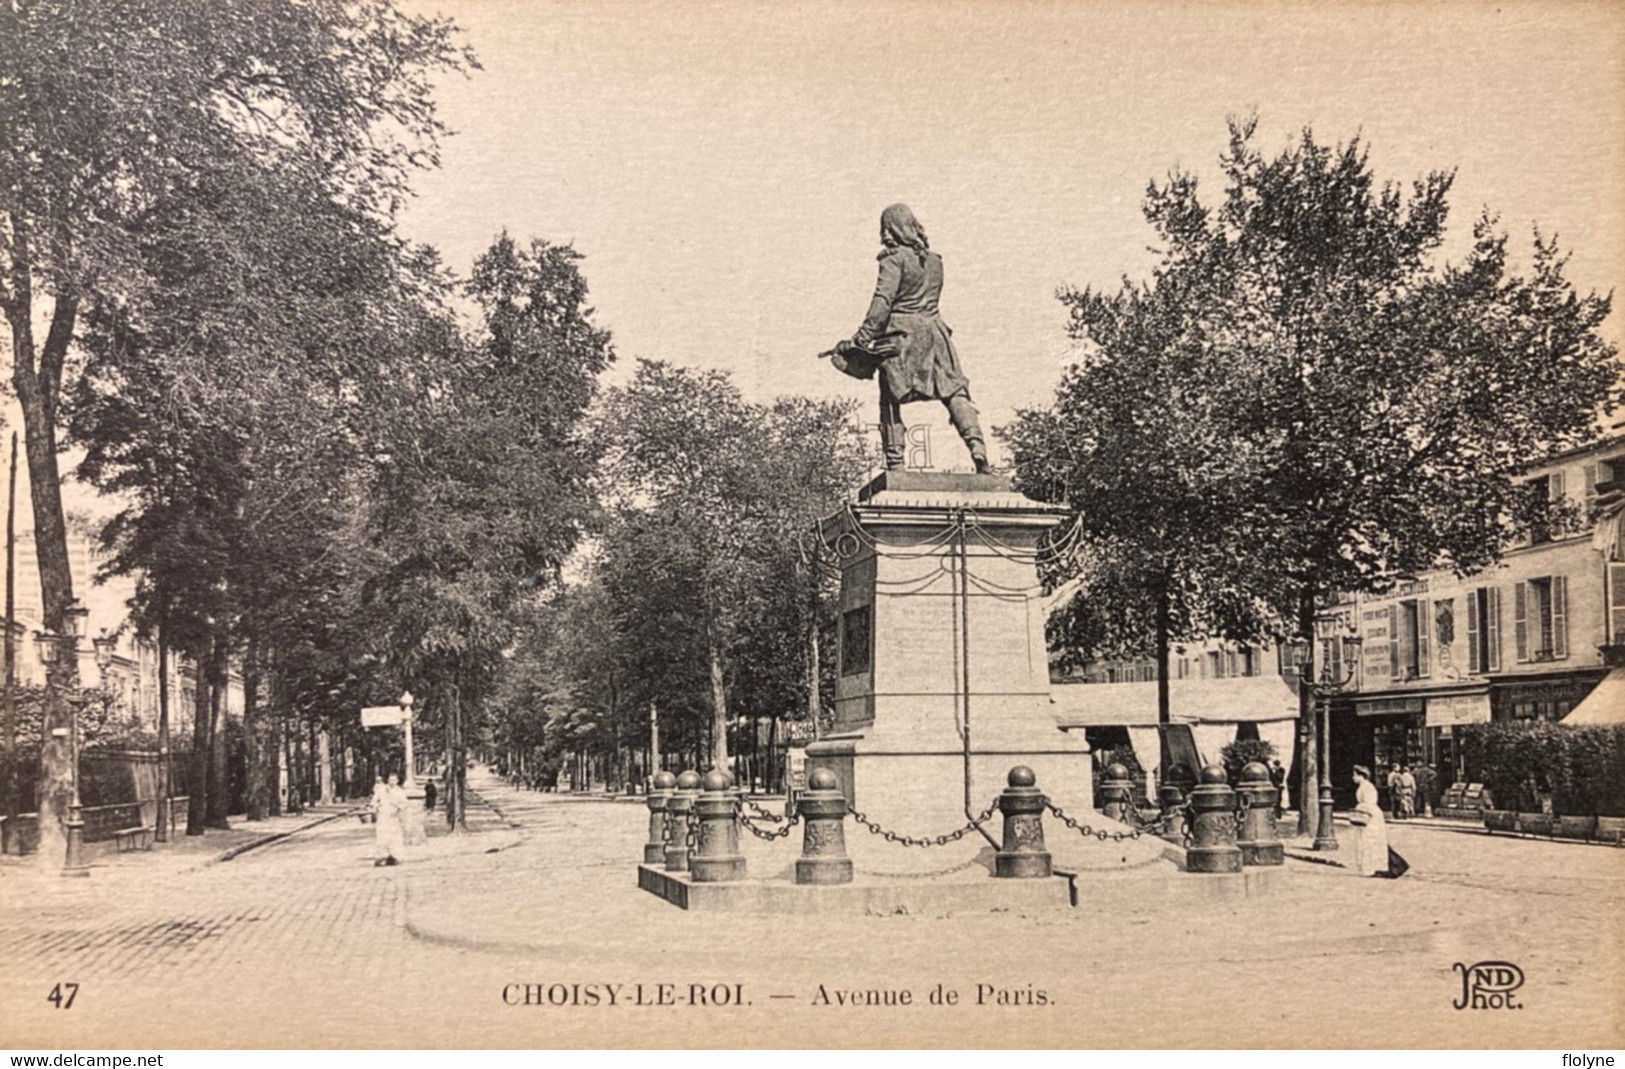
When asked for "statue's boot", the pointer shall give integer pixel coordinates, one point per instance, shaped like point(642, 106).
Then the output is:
point(962, 413)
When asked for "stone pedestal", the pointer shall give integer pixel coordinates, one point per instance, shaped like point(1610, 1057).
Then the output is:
point(942, 624)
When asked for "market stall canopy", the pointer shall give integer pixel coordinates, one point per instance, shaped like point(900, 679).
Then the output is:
point(1242, 699)
point(1604, 705)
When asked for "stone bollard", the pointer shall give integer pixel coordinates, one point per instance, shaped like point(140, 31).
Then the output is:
point(1171, 800)
point(1213, 825)
point(654, 851)
point(716, 843)
point(1259, 842)
point(822, 808)
point(1116, 790)
point(679, 813)
point(1023, 855)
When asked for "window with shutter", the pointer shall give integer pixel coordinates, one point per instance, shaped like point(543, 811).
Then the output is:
point(1475, 661)
point(1616, 603)
point(1394, 639)
point(1560, 615)
point(1491, 622)
point(1590, 477)
point(1520, 620)
point(1554, 486)
point(1424, 645)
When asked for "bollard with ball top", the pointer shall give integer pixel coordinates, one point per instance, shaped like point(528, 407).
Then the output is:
point(679, 812)
point(716, 844)
point(1116, 789)
point(1258, 839)
point(1023, 855)
point(1171, 800)
point(654, 851)
point(1213, 825)
point(822, 808)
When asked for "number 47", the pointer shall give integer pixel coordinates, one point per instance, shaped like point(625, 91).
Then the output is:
point(62, 995)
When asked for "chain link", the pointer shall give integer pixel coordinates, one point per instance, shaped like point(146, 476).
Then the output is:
point(765, 814)
point(940, 840)
point(1086, 831)
point(789, 826)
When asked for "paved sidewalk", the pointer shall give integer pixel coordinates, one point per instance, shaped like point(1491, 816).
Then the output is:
point(185, 852)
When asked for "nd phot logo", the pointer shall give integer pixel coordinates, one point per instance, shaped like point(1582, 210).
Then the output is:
point(1488, 985)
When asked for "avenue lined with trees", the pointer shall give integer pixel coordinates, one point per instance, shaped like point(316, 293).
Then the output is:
point(346, 472)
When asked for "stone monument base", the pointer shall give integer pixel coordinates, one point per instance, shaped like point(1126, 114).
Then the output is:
point(975, 890)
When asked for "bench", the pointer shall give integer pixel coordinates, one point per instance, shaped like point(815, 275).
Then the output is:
point(139, 838)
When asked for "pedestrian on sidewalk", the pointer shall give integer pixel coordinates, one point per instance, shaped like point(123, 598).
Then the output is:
point(1372, 854)
point(429, 791)
point(1406, 806)
point(388, 802)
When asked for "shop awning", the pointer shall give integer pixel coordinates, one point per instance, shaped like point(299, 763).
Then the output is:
point(1252, 699)
point(1604, 705)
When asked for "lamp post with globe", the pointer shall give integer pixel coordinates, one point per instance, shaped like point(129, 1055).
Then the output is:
point(1332, 678)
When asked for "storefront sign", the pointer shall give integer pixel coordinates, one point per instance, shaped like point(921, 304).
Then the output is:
point(1458, 709)
point(1389, 707)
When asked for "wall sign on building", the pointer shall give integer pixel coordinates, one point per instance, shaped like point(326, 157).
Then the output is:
point(1458, 709)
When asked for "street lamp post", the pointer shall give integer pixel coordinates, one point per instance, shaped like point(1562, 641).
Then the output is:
point(406, 724)
point(1331, 682)
point(60, 655)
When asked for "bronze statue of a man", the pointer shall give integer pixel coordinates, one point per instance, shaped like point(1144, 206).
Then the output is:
point(904, 338)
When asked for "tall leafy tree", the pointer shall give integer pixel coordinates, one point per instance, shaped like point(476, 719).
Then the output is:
point(113, 114)
point(1371, 405)
point(1130, 442)
point(713, 497)
point(484, 483)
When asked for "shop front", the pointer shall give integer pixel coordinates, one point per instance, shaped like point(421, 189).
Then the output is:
point(1552, 698)
point(1388, 731)
point(1446, 713)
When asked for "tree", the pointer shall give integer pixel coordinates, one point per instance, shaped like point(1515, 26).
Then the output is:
point(1372, 406)
point(114, 116)
point(713, 497)
point(483, 486)
point(1130, 442)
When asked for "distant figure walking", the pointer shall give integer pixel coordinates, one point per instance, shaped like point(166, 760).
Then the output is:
point(1406, 805)
point(388, 802)
point(429, 792)
point(904, 338)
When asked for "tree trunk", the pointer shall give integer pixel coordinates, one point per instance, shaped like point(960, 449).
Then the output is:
point(719, 708)
point(161, 832)
point(1308, 781)
point(457, 761)
point(219, 806)
point(11, 655)
point(254, 732)
point(202, 722)
point(37, 377)
point(1164, 710)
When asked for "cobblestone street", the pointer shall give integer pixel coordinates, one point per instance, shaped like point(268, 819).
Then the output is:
point(304, 942)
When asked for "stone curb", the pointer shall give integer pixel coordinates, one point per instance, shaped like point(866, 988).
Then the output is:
point(266, 840)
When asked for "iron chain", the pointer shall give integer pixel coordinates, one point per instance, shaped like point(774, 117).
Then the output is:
point(940, 840)
point(789, 826)
point(765, 814)
point(1086, 831)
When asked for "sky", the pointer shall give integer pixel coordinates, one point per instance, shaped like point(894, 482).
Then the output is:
point(722, 166)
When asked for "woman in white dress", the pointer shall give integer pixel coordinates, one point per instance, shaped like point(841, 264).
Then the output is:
point(1370, 830)
point(388, 799)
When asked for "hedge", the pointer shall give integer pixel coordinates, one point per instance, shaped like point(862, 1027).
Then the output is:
point(1581, 768)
